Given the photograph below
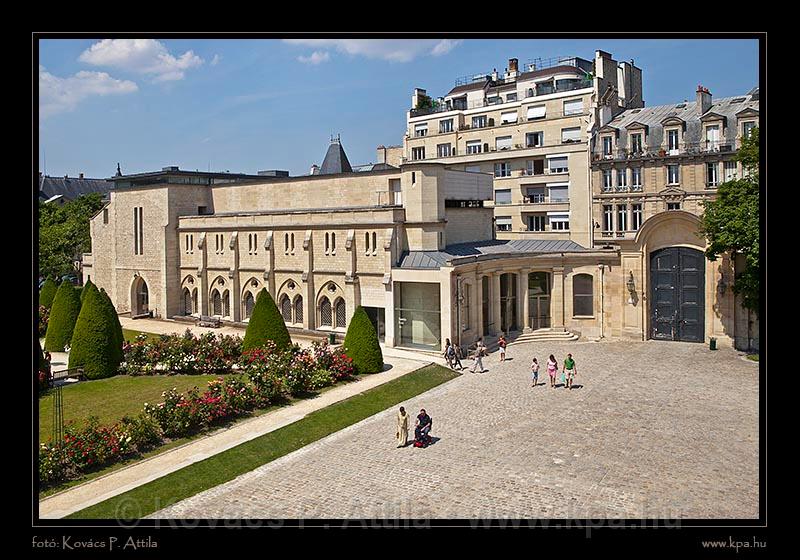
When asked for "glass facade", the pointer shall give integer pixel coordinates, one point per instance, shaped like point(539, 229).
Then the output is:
point(417, 315)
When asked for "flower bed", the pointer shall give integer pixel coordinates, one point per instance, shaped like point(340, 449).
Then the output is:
point(186, 354)
point(268, 375)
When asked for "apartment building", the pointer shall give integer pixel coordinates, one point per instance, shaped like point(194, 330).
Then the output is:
point(658, 165)
point(530, 129)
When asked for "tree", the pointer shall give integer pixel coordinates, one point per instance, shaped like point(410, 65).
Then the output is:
point(64, 314)
point(64, 233)
point(94, 339)
point(266, 324)
point(48, 292)
point(361, 344)
point(731, 223)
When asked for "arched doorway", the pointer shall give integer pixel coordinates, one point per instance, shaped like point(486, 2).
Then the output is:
point(508, 302)
point(677, 285)
point(140, 301)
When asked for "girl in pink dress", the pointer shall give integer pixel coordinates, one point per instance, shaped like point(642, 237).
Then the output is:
point(552, 368)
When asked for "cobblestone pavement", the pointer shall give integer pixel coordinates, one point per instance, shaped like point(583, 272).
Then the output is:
point(652, 429)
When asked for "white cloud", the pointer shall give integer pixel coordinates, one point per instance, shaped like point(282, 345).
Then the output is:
point(142, 56)
point(58, 95)
point(215, 60)
point(395, 50)
point(317, 57)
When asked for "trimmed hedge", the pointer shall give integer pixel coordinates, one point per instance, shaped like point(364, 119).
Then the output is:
point(48, 293)
point(94, 339)
point(266, 324)
point(361, 344)
point(111, 311)
point(87, 287)
point(63, 315)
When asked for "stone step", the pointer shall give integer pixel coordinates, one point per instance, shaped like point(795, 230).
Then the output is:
point(546, 335)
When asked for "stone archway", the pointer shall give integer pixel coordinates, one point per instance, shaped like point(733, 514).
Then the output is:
point(140, 297)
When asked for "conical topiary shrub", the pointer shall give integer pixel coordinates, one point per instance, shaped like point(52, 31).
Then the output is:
point(48, 293)
point(111, 311)
point(63, 315)
point(89, 286)
point(266, 324)
point(361, 344)
point(94, 339)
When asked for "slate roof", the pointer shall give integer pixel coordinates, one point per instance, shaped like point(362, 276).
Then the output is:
point(72, 187)
point(516, 247)
point(335, 160)
point(652, 117)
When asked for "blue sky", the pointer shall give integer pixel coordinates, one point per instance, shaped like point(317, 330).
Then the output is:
point(248, 105)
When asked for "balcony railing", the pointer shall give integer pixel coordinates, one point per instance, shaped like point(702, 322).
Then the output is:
point(622, 188)
point(540, 199)
point(687, 148)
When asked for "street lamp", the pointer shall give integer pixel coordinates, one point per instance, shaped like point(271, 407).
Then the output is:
point(631, 285)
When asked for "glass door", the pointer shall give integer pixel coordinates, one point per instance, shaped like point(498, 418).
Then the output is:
point(539, 300)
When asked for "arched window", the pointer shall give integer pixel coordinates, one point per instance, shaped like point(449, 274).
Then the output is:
point(195, 308)
point(374, 242)
point(226, 303)
point(292, 246)
point(216, 303)
point(582, 295)
point(286, 309)
point(298, 309)
point(325, 318)
point(187, 302)
point(341, 313)
point(286, 243)
point(327, 242)
point(366, 242)
point(249, 303)
point(333, 243)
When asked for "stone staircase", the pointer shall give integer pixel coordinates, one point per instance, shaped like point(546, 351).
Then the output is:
point(545, 335)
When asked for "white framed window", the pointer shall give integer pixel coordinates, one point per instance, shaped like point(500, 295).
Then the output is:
point(622, 178)
point(474, 147)
point(421, 129)
point(446, 125)
point(573, 107)
point(730, 170)
point(418, 153)
point(558, 192)
point(572, 134)
point(502, 196)
point(672, 139)
point(502, 169)
point(673, 174)
point(508, 117)
point(479, 121)
point(536, 222)
point(536, 112)
point(673, 205)
point(608, 217)
point(636, 143)
point(747, 128)
point(636, 210)
point(503, 223)
point(534, 139)
point(503, 143)
point(608, 143)
point(558, 164)
point(608, 180)
point(636, 177)
point(444, 150)
point(535, 195)
point(712, 174)
point(712, 137)
point(622, 217)
point(559, 222)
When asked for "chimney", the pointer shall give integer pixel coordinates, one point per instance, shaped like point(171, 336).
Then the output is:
point(80, 176)
point(513, 65)
point(419, 94)
point(703, 100)
point(494, 74)
point(314, 170)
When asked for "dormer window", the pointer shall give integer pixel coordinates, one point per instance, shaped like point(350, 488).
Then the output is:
point(608, 143)
point(636, 143)
point(672, 139)
point(747, 128)
point(712, 137)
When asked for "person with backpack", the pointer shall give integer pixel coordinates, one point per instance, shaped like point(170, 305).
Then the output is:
point(480, 352)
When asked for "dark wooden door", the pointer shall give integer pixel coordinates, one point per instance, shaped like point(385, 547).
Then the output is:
point(677, 283)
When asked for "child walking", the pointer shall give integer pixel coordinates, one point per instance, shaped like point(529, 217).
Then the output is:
point(552, 368)
point(534, 372)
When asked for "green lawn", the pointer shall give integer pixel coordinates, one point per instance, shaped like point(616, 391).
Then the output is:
point(111, 399)
point(243, 458)
point(130, 334)
point(753, 357)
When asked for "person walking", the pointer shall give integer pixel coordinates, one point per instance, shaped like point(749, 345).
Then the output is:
point(402, 428)
point(456, 357)
point(534, 372)
point(448, 353)
point(502, 344)
point(552, 369)
point(480, 351)
point(569, 371)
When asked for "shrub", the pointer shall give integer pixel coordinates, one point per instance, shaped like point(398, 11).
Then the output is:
point(63, 315)
point(48, 293)
point(298, 374)
point(118, 338)
point(322, 378)
point(44, 319)
point(144, 431)
point(88, 287)
point(43, 376)
point(266, 324)
point(361, 344)
point(93, 342)
point(335, 361)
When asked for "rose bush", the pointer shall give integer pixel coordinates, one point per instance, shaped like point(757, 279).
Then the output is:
point(44, 318)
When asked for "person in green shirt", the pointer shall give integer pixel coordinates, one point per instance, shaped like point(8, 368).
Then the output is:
point(569, 371)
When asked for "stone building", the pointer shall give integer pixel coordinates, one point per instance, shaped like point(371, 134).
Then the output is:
point(419, 241)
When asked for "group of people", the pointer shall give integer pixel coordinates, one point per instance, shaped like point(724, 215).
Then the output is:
point(422, 429)
point(568, 371)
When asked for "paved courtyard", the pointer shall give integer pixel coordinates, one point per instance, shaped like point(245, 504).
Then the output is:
point(656, 429)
